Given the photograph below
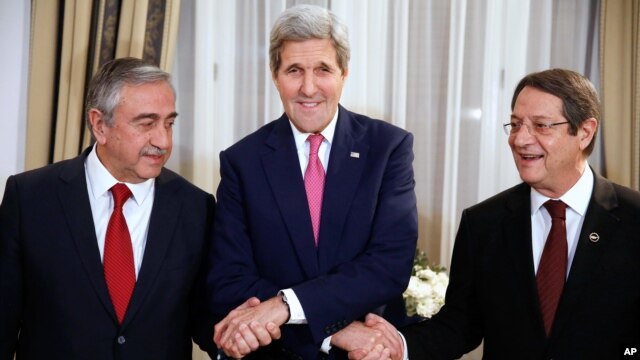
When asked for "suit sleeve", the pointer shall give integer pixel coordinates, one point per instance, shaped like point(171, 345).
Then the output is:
point(10, 271)
point(233, 276)
point(381, 272)
point(456, 328)
point(202, 319)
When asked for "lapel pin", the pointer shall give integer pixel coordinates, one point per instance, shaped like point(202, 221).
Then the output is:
point(594, 237)
point(355, 154)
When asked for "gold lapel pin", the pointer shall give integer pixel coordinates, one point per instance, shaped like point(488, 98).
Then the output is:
point(594, 237)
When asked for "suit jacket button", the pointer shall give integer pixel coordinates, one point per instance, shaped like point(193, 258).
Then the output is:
point(121, 340)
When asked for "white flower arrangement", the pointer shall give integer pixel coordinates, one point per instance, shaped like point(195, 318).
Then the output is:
point(425, 294)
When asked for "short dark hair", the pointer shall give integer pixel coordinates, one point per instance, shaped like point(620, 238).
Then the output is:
point(104, 89)
point(579, 97)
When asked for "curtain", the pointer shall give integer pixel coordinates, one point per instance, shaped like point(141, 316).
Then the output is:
point(67, 49)
point(620, 69)
point(444, 70)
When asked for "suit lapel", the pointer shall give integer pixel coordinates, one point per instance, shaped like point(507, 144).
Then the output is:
point(517, 230)
point(162, 222)
point(343, 176)
point(598, 221)
point(74, 200)
point(282, 169)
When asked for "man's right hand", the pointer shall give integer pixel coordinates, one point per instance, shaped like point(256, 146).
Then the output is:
point(388, 337)
point(242, 332)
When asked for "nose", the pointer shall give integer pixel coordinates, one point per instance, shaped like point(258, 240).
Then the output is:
point(161, 136)
point(522, 137)
point(308, 86)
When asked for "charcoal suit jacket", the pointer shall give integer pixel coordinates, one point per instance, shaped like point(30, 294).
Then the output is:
point(54, 302)
point(492, 293)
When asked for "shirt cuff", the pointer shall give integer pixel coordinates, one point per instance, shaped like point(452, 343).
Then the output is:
point(296, 312)
point(405, 349)
point(326, 345)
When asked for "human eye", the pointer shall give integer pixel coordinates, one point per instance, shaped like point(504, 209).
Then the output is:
point(325, 69)
point(147, 123)
point(293, 70)
point(542, 128)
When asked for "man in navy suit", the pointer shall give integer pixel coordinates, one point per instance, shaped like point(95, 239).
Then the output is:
point(314, 273)
point(497, 292)
point(57, 301)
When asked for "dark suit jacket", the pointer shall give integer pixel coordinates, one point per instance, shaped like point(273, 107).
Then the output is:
point(264, 241)
point(492, 292)
point(54, 302)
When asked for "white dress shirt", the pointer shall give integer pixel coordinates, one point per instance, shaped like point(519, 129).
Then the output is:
point(577, 200)
point(137, 209)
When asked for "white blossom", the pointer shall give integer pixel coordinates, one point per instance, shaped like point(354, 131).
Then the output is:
point(425, 294)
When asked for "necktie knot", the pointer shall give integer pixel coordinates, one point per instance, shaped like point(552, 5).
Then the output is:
point(314, 143)
point(556, 209)
point(121, 194)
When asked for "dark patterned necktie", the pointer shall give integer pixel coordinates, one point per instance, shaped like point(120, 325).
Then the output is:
point(553, 264)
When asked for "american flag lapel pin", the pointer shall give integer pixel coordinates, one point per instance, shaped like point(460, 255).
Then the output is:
point(355, 154)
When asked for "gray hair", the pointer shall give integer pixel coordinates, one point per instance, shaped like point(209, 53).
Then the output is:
point(306, 22)
point(104, 89)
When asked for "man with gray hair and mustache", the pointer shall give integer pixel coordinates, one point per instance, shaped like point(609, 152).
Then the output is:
point(101, 255)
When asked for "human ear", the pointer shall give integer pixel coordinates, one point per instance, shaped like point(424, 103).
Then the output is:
point(98, 125)
point(587, 131)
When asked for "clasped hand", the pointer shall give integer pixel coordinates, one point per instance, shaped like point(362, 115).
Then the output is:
point(375, 339)
point(254, 324)
point(249, 326)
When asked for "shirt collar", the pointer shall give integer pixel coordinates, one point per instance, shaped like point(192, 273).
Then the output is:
point(327, 133)
point(577, 198)
point(101, 180)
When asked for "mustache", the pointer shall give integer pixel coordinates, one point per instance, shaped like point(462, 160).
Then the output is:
point(153, 151)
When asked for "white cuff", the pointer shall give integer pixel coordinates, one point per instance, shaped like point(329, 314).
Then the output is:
point(296, 312)
point(405, 348)
point(326, 345)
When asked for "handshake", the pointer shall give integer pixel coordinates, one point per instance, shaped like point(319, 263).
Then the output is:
point(254, 324)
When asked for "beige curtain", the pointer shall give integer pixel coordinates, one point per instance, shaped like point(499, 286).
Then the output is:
point(620, 76)
point(68, 48)
point(42, 75)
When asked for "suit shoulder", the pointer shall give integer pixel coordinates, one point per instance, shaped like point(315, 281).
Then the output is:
point(44, 174)
point(377, 125)
point(257, 137)
point(501, 203)
point(168, 176)
point(628, 199)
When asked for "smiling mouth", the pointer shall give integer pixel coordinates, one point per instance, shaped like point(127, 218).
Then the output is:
point(531, 157)
point(308, 104)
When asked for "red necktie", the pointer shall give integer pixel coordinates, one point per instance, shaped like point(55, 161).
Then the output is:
point(118, 254)
point(553, 264)
point(314, 183)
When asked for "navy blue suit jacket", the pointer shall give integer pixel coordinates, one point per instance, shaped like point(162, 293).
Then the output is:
point(492, 292)
point(264, 241)
point(54, 302)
